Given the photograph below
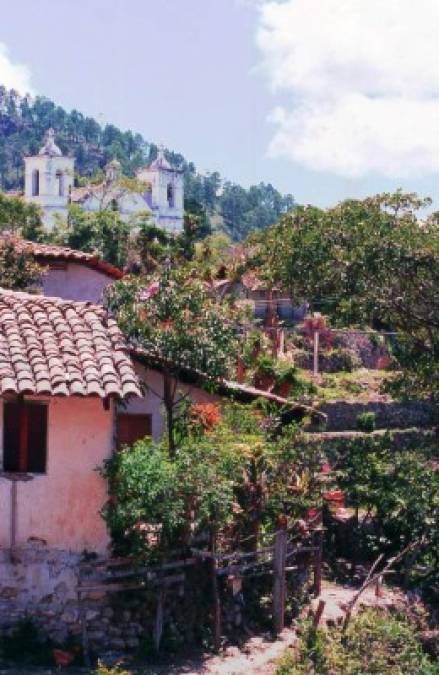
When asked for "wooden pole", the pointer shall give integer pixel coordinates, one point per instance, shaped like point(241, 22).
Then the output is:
point(318, 536)
point(316, 354)
point(13, 522)
point(318, 615)
point(216, 605)
point(158, 624)
point(279, 580)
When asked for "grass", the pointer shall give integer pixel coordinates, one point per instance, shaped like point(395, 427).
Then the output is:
point(360, 386)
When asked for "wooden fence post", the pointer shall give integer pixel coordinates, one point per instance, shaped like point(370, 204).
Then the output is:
point(279, 581)
point(216, 606)
point(159, 616)
point(318, 542)
point(316, 354)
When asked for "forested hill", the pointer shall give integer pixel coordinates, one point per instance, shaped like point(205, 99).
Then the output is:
point(24, 121)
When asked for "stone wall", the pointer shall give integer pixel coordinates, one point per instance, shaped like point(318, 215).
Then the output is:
point(389, 415)
point(42, 584)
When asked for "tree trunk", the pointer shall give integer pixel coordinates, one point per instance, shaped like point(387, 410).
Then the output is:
point(168, 400)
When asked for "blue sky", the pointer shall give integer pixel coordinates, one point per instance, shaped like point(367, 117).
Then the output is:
point(259, 90)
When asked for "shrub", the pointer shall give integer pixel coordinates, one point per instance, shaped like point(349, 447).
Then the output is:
point(366, 421)
point(235, 478)
point(26, 646)
point(102, 669)
point(374, 643)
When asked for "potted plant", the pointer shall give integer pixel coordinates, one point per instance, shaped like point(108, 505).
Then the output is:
point(265, 373)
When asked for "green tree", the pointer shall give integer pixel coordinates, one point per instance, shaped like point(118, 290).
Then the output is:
point(21, 218)
point(103, 232)
point(177, 324)
point(18, 269)
point(367, 262)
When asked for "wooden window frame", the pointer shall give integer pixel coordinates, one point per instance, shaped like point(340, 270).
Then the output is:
point(126, 416)
point(23, 435)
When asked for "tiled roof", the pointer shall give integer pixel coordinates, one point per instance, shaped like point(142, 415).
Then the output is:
point(58, 347)
point(48, 252)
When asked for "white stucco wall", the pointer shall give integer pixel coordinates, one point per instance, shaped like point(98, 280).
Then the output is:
point(76, 282)
point(62, 506)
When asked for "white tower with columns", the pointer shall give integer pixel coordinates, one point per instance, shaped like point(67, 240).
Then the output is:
point(48, 180)
point(165, 192)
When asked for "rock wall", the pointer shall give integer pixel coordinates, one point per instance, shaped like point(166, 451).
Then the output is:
point(342, 415)
point(41, 584)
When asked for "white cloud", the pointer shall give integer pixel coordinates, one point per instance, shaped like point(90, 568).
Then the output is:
point(13, 75)
point(364, 81)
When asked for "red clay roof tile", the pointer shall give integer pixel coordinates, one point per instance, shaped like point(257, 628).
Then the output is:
point(45, 253)
point(60, 347)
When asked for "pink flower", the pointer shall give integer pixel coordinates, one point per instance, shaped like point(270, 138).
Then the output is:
point(149, 292)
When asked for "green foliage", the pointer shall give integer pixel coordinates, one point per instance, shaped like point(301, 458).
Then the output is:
point(375, 643)
point(145, 503)
point(179, 326)
point(233, 480)
point(19, 217)
point(176, 322)
point(366, 421)
point(25, 646)
point(400, 491)
point(102, 669)
point(18, 270)
point(365, 262)
point(103, 233)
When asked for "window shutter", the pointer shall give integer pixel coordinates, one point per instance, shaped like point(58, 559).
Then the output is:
point(24, 437)
point(37, 438)
point(131, 428)
point(11, 436)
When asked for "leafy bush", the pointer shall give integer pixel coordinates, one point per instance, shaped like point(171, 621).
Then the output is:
point(399, 492)
point(366, 421)
point(340, 359)
point(374, 643)
point(233, 478)
point(26, 646)
point(266, 366)
point(102, 669)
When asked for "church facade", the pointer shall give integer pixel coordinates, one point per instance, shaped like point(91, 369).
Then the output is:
point(158, 191)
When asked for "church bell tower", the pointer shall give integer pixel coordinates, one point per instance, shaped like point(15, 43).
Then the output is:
point(48, 180)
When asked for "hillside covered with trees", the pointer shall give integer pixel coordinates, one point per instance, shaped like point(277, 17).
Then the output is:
point(24, 120)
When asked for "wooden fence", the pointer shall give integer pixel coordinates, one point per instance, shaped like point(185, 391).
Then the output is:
point(276, 561)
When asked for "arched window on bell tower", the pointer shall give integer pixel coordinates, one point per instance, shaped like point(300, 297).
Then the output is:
point(170, 195)
point(60, 183)
point(35, 183)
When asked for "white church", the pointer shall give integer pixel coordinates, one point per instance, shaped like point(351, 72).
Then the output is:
point(49, 183)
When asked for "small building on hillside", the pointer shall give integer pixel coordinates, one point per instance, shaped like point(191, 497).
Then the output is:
point(70, 274)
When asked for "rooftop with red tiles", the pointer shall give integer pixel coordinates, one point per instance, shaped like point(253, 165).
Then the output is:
point(50, 346)
point(46, 253)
